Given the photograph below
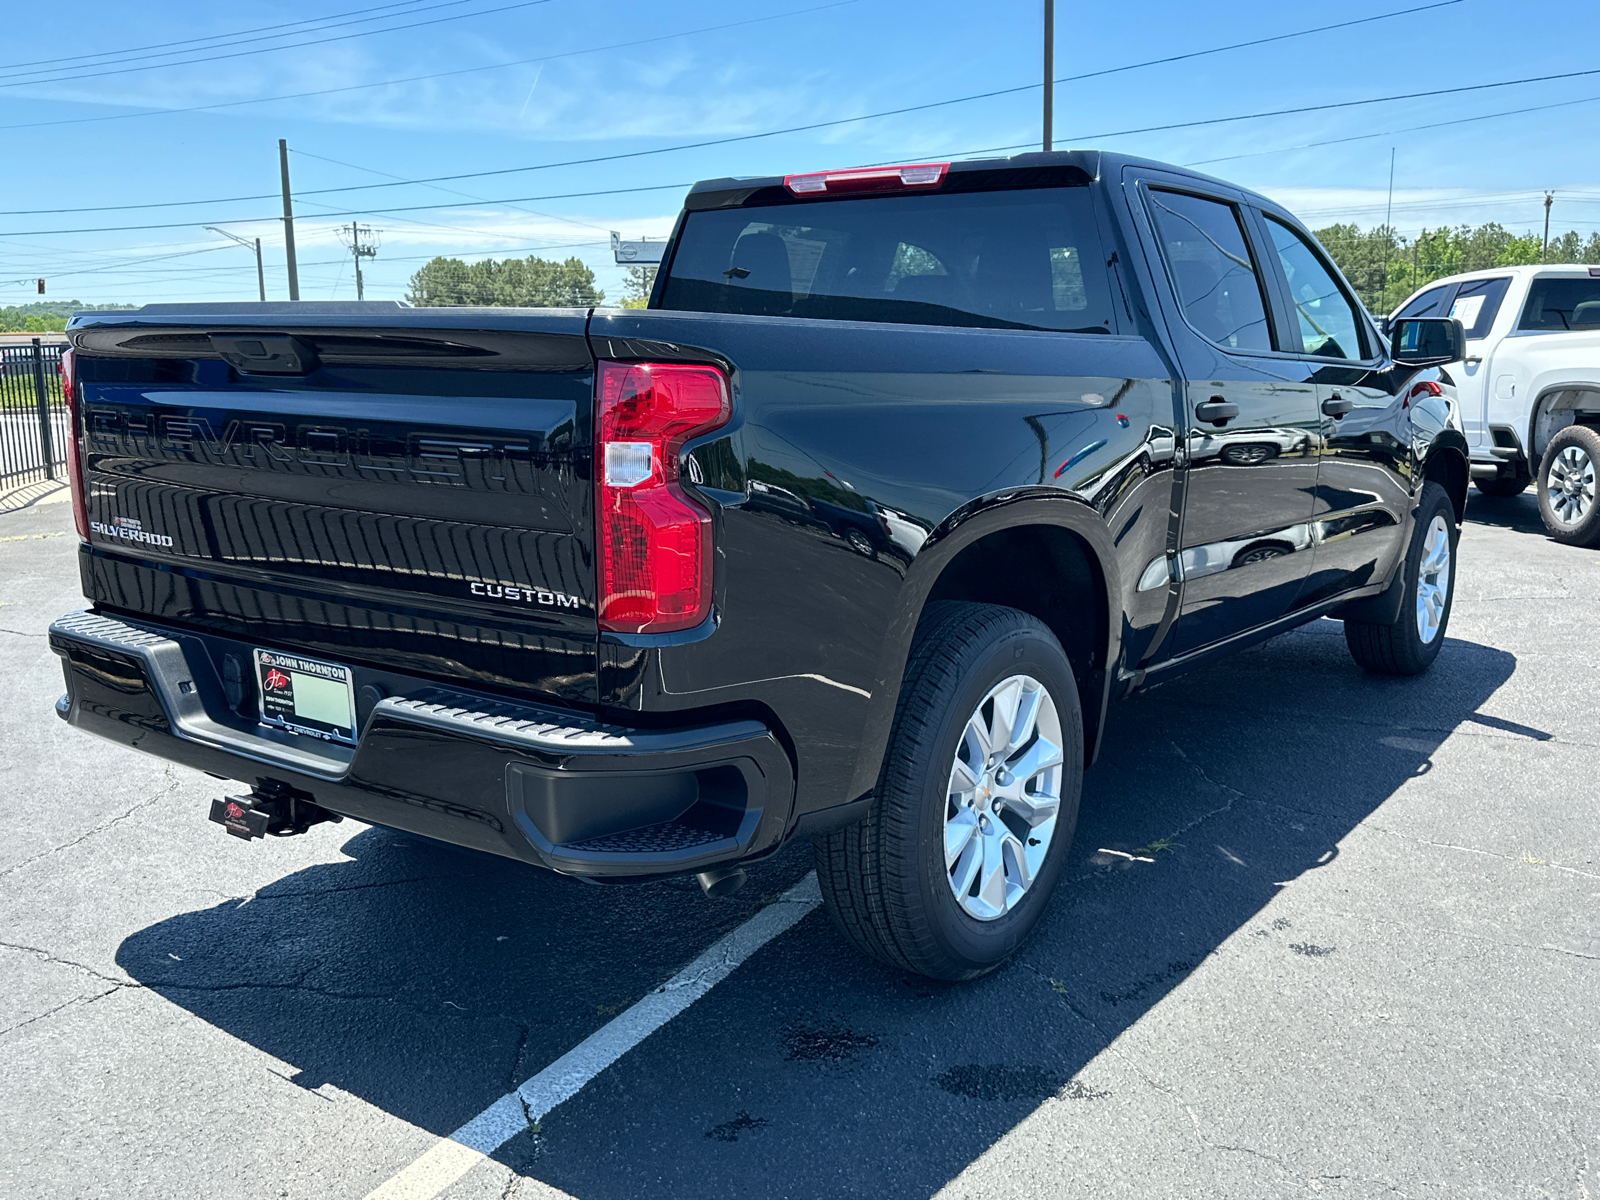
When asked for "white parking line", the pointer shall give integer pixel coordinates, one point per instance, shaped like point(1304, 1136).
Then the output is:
point(452, 1157)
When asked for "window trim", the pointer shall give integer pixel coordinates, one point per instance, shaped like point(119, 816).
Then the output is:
point(1269, 303)
point(1372, 349)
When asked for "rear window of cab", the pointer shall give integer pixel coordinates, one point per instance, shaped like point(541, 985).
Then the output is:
point(1024, 259)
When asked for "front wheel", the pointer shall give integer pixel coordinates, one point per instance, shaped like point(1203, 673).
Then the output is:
point(1409, 645)
point(1567, 486)
point(976, 802)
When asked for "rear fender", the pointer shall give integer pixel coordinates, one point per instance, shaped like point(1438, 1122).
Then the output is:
point(967, 525)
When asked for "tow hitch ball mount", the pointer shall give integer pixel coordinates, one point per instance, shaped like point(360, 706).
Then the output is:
point(270, 808)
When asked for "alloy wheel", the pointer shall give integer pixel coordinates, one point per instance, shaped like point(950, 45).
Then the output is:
point(1433, 580)
point(1003, 798)
point(1570, 485)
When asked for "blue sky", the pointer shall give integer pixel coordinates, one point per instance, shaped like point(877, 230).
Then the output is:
point(100, 126)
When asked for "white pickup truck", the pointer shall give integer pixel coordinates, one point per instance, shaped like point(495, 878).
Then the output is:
point(1529, 391)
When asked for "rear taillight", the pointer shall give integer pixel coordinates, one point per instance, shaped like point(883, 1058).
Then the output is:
point(74, 446)
point(654, 551)
point(867, 179)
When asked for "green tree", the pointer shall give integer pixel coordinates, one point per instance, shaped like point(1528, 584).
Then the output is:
point(1385, 268)
point(514, 282)
point(636, 291)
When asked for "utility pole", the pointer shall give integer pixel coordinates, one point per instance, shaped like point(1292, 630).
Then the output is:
point(288, 221)
point(261, 278)
point(363, 243)
point(1549, 199)
point(1388, 212)
point(1049, 68)
point(1388, 230)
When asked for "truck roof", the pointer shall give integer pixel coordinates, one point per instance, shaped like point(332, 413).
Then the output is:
point(1532, 271)
point(1036, 168)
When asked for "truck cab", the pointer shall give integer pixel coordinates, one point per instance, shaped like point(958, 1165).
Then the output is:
point(1532, 372)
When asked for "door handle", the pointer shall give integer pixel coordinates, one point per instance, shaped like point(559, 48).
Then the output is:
point(1336, 406)
point(1216, 411)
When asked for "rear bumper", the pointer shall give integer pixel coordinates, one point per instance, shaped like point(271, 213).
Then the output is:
point(543, 785)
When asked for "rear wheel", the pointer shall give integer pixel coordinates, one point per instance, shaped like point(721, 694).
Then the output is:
point(1409, 645)
point(1567, 486)
point(975, 805)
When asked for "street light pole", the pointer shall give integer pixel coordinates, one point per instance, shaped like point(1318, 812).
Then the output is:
point(261, 278)
point(1049, 69)
point(288, 221)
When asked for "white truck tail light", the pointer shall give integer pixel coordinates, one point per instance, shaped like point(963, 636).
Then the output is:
point(67, 369)
point(653, 544)
point(867, 179)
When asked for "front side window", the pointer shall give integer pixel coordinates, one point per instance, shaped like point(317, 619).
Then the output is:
point(1562, 304)
point(1477, 303)
point(1025, 259)
point(1217, 282)
point(1329, 325)
point(1429, 304)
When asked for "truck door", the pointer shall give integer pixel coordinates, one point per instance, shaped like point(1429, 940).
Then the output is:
point(1251, 415)
point(1363, 446)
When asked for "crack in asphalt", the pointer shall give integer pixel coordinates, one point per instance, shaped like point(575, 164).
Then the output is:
point(259, 896)
point(21, 633)
point(46, 956)
point(1411, 926)
point(50, 1012)
point(172, 785)
point(1187, 1108)
point(1411, 837)
point(1467, 727)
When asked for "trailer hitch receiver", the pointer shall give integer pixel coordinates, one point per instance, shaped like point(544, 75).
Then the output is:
point(271, 807)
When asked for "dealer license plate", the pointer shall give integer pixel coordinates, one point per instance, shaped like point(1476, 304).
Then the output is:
point(306, 696)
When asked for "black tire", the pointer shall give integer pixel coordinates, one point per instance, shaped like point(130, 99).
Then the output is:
point(1502, 487)
point(1399, 648)
point(884, 879)
point(1580, 444)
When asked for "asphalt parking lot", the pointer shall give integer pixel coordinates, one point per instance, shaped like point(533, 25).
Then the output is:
point(1322, 933)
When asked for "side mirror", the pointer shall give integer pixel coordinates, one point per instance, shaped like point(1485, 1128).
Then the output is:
point(1426, 341)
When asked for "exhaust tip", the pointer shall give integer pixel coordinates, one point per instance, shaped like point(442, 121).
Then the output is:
point(721, 881)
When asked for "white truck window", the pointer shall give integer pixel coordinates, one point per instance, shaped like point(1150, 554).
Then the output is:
point(1477, 302)
point(1562, 304)
point(1427, 304)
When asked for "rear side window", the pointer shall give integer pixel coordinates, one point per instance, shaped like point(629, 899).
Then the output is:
point(1562, 304)
point(1477, 303)
point(1429, 304)
point(1218, 285)
point(1026, 259)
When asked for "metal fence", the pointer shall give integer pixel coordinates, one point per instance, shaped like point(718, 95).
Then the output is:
point(34, 431)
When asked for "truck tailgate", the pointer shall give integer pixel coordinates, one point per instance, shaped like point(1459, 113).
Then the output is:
point(406, 489)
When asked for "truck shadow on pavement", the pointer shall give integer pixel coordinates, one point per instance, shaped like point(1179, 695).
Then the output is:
point(428, 981)
point(1519, 513)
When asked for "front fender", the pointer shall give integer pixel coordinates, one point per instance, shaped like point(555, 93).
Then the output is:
point(975, 520)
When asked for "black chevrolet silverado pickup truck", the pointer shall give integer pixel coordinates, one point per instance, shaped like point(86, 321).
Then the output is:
point(852, 534)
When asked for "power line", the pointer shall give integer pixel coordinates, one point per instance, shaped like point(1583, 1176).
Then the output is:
point(447, 191)
point(1510, 112)
point(708, 29)
point(344, 37)
point(355, 212)
point(77, 59)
